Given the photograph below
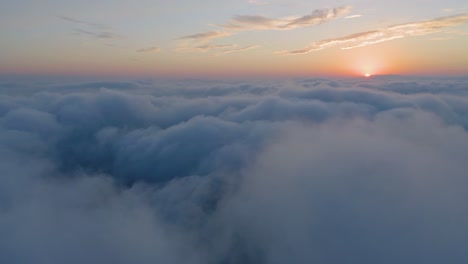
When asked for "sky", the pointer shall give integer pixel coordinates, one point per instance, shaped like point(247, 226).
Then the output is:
point(213, 38)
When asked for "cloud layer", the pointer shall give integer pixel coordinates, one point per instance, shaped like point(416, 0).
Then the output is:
point(297, 171)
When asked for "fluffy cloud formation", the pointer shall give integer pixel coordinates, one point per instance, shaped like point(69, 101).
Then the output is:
point(303, 171)
point(318, 16)
point(385, 34)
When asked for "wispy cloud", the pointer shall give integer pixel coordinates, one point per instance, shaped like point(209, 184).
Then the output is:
point(353, 16)
point(318, 16)
point(208, 47)
point(219, 49)
point(206, 35)
point(84, 23)
point(98, 34)
point(239, 49)
point(95, 30)
point(385, 34)
point(149, 50)
point(244, 23)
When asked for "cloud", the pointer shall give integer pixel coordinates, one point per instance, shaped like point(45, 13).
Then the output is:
point(353, 16)
point(207, 47)
point(84, 23)
point(239, 49)
point(95, 30)
point(371, 37)
point(318, 16)
point(207, 35)
point(246, 22)
point(191, 171)
point(98, 34)
point(149, 49)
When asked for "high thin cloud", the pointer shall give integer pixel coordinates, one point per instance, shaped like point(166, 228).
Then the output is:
point(206, 35)
point(84, 23)
point(95, 30)
point(385, 34)
point(219, 48)
point(353, 16)
point(209, 47)
point(318, 16)
point(98, 34)
point(239, 49)
point(265, 172)
point(149, 49)
point(245, 22)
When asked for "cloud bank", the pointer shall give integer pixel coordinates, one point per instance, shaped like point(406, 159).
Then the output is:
point(362, 39)
point(293, 171)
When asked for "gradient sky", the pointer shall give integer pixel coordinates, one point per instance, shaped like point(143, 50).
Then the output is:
point(231, 38)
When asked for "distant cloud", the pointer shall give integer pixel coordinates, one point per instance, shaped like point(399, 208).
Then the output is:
point(240, 49)
point(247, 22)
point(98, 34)
point(362, 39)
point(96, 30)
point(353, 16)
point(82, 22)
point(318, 16)
point(208, 47)
point(221, 49)
point(150, 49)
point(207, 35)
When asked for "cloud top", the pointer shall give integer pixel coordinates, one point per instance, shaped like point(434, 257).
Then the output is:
point(276, 171)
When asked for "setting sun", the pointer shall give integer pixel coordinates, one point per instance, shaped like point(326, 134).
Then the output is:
point(367, 75)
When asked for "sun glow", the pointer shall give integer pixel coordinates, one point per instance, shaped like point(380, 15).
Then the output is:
point(367, 75)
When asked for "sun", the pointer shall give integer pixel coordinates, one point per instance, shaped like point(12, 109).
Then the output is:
point(367, 75)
